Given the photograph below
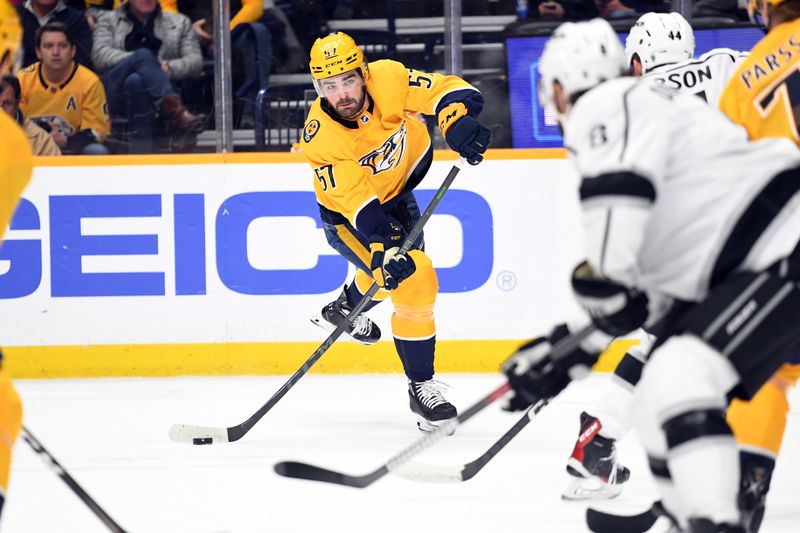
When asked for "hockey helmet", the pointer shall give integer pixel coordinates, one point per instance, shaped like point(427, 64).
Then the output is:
point(579, 55)
point(336, 54)
point(659, 39)
point(10, 36)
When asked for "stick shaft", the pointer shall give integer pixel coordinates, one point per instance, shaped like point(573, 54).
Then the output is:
point(238, 431)
point(59, 470)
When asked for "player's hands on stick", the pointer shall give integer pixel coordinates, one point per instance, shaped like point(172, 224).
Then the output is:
point(534, 375)
point(469, 138)
point(614, 308)
point(389, 268)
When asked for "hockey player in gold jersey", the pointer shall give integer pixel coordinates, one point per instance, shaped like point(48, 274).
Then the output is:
point(764, 93)
point(764, 97)
point(369, 150)
point(16, 163)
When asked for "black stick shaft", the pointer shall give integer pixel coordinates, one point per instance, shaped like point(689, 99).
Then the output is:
point(560, 349)
point(310, 472)
point(472, 468)
point(59, 470)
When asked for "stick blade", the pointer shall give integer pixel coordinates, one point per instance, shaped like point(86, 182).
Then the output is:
point(197, 435)
point(427, 473)
point(601, 522)
point(309, 472)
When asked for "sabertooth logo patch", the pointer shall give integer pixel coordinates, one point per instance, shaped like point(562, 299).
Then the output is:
point(389, 154)
point(310, 130)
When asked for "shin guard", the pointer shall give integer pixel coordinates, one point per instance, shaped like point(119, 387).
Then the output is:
point(413, 324)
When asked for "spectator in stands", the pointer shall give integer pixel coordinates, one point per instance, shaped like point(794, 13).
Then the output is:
point(41, 141)
point(567, 9)
point(141, 50)
point(251, 42)
point(36, 13)
point(200, 12)
point(62, 96)
point(611, 9)
point(720, 8)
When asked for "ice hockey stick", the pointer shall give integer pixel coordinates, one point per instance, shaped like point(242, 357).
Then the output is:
point(209, 435)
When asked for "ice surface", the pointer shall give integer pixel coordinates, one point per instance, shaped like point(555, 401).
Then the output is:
point(111, 435)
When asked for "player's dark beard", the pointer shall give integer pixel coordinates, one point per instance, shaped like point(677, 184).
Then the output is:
point(354, 110)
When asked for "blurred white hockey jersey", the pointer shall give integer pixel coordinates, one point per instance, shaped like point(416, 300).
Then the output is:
point(674, 196)
point(705, 76)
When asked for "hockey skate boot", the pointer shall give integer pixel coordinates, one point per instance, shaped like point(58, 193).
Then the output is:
point(429, 405)
point(362, 330)
point(593, 465)
point(755, 479)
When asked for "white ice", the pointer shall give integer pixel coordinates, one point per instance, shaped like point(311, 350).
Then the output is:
point(111, 435)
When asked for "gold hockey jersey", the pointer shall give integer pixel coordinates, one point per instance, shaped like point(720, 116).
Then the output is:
point(16, 165)
point(77, 104)
point(376, 155)
point(764, 93)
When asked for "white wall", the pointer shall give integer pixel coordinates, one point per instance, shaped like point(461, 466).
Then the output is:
point(521, 254)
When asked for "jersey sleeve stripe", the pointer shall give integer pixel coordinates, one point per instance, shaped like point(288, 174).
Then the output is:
point(754, 220)
point(618, 184)
point(627, 117)
point(471, 98)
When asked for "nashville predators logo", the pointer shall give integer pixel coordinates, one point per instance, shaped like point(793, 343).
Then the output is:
point(389, 154)
point(310, 130)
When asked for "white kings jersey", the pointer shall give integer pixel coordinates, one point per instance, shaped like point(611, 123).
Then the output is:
point(666, 181)
point(705, 76)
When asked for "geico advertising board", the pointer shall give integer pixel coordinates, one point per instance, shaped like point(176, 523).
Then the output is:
point(236, 252)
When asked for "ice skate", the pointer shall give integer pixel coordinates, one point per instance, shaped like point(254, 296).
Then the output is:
point(429, 405)
point(362, 330)
point(755, 480)
point(592, 465)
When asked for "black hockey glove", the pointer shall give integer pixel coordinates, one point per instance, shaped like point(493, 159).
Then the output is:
point(388, 267)
point(534, 375)
point(469, 138)
point(614, 308)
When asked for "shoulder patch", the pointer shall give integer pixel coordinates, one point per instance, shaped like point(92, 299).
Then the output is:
point(310, 130)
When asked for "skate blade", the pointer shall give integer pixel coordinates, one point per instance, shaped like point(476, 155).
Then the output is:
point(426, 426)
point(581, 489)
point(320, 322)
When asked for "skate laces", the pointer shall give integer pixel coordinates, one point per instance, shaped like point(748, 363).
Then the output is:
point(428, 392)
point(362, 325)
point(607, 460)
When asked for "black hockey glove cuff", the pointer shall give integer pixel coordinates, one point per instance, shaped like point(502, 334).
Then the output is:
point(534, 375)
point(469, 138)
point(614, 308)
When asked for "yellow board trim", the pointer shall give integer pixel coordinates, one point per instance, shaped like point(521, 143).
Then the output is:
point(249, 158)
point(269, 358)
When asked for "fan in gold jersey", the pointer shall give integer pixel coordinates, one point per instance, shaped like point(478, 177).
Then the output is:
point(16, 163)
point(369, 149)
